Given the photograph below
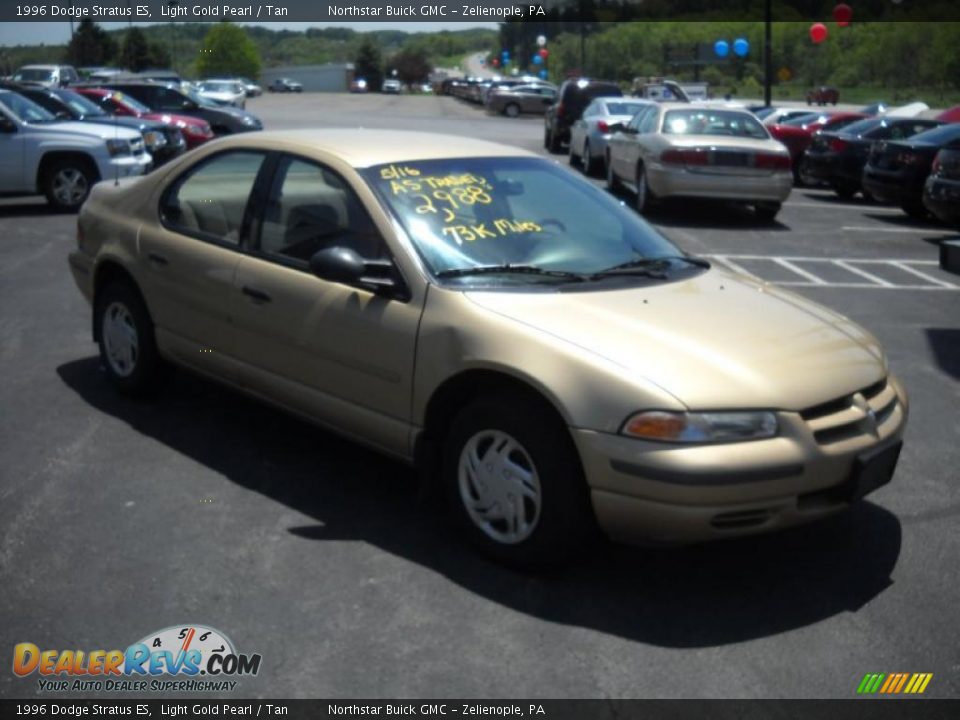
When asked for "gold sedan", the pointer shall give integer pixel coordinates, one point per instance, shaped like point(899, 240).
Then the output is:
point(550, 361)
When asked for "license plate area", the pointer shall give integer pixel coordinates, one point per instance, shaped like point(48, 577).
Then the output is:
point(873, 470)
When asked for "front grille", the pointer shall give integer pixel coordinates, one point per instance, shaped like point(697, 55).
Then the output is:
point(741, 519)
point(136, 146)
point(852, 415)
point(174, 136)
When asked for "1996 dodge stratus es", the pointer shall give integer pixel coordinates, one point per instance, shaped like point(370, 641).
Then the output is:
point(549, 360)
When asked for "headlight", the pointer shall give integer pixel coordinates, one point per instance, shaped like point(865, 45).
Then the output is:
point(249, 121)
point(154, 139)
point(705, 427)
point(118, 147)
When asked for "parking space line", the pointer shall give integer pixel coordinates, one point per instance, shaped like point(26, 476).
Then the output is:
point(799, 271)
point(850, 265)
point(862, 273)
point(828, 205)
point(919, 274)
point(734, 266)
point(921, 231)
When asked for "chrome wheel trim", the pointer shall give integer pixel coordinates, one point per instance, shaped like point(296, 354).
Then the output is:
point(120, 341)
point(499, 486)
point(70, 186)
point(512, 110)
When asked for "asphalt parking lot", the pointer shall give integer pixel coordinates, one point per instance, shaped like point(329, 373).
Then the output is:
point(119, 518)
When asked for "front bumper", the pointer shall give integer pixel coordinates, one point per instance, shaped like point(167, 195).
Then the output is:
point(679, 182)
point(895, 187)
point(125, 166)
point(646, 491)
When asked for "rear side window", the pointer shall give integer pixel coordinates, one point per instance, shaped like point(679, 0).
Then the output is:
point(210, 200)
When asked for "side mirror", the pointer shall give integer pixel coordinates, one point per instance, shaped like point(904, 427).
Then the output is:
point(62, 115)
point(616, 127)
point(7, 125)
point(344, 265)
point(190, 105)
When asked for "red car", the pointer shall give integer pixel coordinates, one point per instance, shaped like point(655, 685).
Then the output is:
point(195, 131)
point(823, 96)
point(950, 116)
point(797, 134)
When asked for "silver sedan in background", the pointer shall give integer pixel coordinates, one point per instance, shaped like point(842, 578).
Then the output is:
point(512, 101)
point(683, 150)
point(589, 134)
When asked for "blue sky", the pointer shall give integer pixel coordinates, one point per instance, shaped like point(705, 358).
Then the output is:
point(56, 33)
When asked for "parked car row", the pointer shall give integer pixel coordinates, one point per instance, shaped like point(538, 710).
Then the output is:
point(59, 141)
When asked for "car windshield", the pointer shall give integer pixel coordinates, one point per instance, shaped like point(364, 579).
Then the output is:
point(528, 213)
point(938, 135)
point(224, 87)
point(34, 75)
point(713, 122)
point(80, 105)
point(801, 120)
point(861, 127)
point(130, 103)
point(25, 110)
point(763, 112)
point(624, 108)
point(199, 99)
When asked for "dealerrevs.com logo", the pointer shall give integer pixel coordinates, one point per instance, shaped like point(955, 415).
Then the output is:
point(186, 658)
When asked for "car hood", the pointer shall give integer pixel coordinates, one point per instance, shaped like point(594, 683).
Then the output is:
point(718, 340)
point(174, 119)
point(106, 131)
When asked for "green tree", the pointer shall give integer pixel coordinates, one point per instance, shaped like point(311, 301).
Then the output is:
point(91, 45)
point(368, 63)
point(227, 50)
point(135, 51)
point(412, 66)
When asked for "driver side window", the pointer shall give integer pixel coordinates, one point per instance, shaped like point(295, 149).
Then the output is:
point(310, 208)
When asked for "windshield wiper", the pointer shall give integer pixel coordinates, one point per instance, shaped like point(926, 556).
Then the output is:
point(651, 267)
point(507, 268)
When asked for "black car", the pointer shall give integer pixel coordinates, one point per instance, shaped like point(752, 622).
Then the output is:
point(163, 142)
point(897, 170)
point(941, 192)
point(165, 98)
point(837, 158)
point(574, 96)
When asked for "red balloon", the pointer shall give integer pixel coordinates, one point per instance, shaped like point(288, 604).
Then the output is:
point(843, 14)
point(543, 52)
point(818, 33)
point(495, 62)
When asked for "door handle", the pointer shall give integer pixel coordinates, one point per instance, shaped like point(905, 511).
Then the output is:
point(157, 259)
point(258, 296)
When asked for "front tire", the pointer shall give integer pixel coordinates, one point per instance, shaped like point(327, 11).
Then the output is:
point(613, 182)
point(67, 183)
point(128, 349)
point(512, 110)
point(514, 484)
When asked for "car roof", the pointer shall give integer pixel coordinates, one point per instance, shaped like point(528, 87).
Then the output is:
point(362, 148)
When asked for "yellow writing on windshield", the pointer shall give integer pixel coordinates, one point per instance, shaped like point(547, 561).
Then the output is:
point(493, 229)
point(392, 172)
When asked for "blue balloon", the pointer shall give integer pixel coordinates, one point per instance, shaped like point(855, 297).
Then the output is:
point(741, 47)
point(543, 74)
point(505, 54)
point(537, 60)
point(721, 48)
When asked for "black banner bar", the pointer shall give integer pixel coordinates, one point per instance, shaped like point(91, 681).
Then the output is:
point(856, 709)
point(471, 11)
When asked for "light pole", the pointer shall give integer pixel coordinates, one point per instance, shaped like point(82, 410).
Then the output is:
point(767, 53)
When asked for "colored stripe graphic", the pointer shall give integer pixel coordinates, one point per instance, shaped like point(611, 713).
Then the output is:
point(894, 683)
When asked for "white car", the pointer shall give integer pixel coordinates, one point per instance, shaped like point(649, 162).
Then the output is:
point(51, 76)
point(589, 134)
point(62, 160)
point(391, 86)
point(781, 115)
point(224, 92)
point(911, 110)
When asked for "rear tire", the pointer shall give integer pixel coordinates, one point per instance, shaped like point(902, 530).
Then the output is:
point(554, 145)
point(574, 158)
point(613, 182)
point(646, 199)
point(512, 110)
point(514, 484)
point(767, 211)
point(587, 161)
point(128, 349)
